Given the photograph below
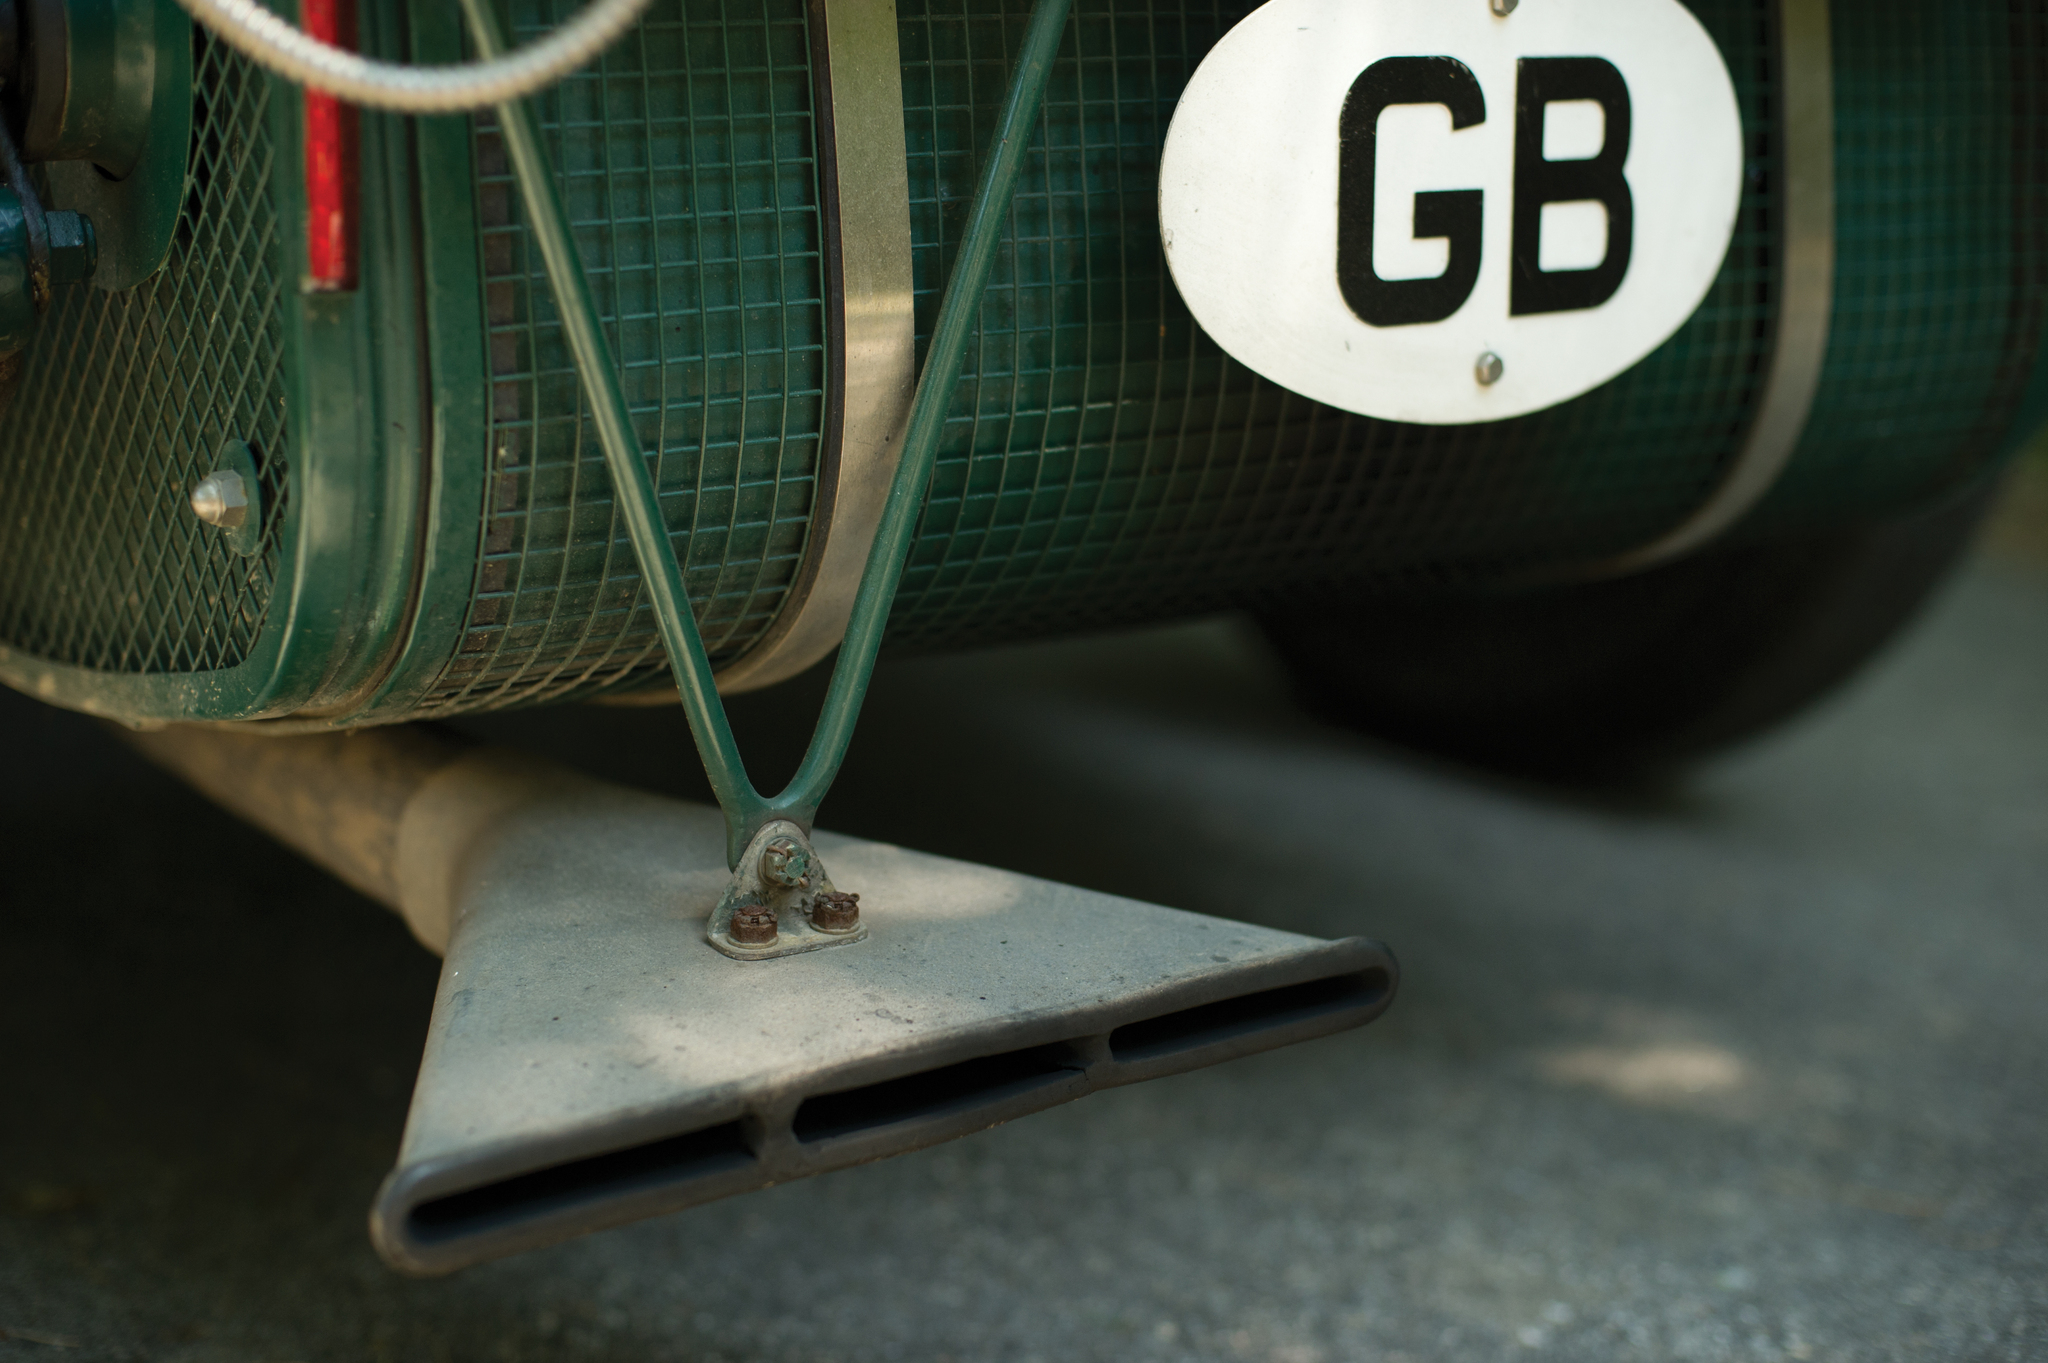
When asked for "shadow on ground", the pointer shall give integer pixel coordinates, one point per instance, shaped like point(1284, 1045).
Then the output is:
point(1747, 1069)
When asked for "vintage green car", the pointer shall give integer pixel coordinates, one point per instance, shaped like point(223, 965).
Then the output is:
point(1570, 387)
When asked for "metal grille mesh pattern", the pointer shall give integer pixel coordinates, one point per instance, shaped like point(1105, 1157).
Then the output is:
point(124, 400)
point(686, 158)
point(1941, 267)
point(1106, 462)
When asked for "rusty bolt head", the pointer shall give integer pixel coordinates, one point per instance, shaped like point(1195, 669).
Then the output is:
point(785, 862)
point(753, 925)
point(835, 912)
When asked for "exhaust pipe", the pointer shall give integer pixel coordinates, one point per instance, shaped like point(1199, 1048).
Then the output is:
point(592, 1060)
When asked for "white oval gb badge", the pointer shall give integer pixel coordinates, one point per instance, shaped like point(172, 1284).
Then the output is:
point(1422, 211)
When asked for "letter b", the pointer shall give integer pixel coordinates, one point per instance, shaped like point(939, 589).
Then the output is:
point(1542, 81)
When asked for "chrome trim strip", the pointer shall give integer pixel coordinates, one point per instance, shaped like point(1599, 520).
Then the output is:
point(1805, 291)
point(875, 364)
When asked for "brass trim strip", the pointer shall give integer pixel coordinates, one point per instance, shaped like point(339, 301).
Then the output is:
point(874, 363)
point(1806, 290)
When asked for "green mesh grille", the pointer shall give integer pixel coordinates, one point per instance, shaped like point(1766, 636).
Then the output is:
point(1941, 154)
point(687, 163)
point(1106, 462)
point(123, 402)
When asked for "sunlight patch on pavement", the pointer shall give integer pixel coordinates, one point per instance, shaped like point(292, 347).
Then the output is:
point(1655, 1074)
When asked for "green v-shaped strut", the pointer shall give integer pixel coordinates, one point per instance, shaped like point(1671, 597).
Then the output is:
point(746, 809)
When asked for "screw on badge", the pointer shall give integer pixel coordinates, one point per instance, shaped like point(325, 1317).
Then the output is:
point(785, 862)
point(1489, 367)
point(1502, 8)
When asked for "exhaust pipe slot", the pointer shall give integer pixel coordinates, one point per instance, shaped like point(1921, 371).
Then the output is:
point(945, 1091)
point(483, 851)
point(1229, 1019)
point(987, 1083)
point(659, 1164)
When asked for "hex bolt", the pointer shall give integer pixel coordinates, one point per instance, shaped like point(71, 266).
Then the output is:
point(753, 925)
point(221, 499)
point(74, 250)
point(1489, 367)
point(1502, 8)
point(785, 862)
point(833, 911)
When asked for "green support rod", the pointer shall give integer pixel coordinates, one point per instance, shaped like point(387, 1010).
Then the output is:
point(745, 809)
point(592, 352)
point(958, 313)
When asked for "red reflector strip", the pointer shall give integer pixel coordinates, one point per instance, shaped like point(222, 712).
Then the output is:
point(333, 171)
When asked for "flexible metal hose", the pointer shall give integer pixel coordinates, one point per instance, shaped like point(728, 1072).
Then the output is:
point(272, 43)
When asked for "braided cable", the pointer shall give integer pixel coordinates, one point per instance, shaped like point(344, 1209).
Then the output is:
point(272, 43)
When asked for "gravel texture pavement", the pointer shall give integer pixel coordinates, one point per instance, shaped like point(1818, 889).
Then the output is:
point(1755, 1067)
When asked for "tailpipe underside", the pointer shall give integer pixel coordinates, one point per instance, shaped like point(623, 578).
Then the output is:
point(592, 1060)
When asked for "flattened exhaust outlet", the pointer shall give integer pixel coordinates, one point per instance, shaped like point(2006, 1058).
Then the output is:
point(593, 1060)
point(425, 1230)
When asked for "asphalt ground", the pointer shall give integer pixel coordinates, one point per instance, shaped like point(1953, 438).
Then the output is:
point(1754, 1067)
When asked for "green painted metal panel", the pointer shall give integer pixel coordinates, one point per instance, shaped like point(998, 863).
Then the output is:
point(116, 599)
point(687, 161)
point(443, 536)
point(1941, 255)
point(1111, 465)
point(124, 401)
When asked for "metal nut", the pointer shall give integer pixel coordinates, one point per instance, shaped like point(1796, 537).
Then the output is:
point(221, 499)
point(785, 862)
point(833, 911)
point(753, 925)
point(1489, 367)
point(74, 250)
